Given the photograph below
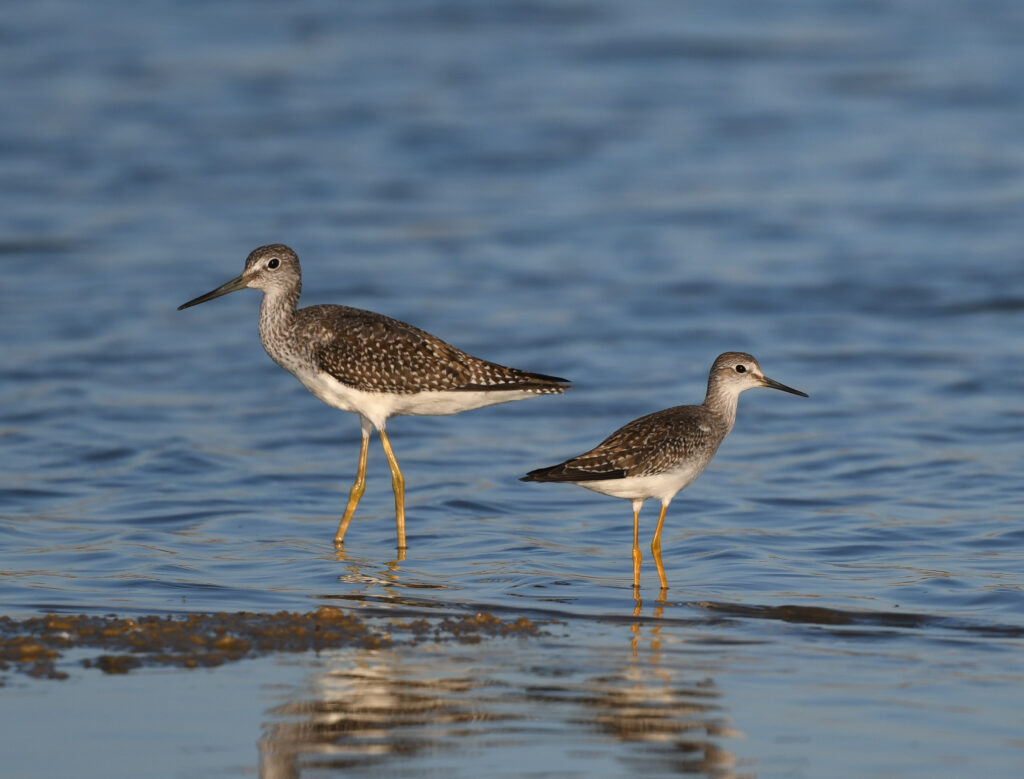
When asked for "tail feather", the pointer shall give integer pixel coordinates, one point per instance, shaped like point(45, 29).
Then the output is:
point(563, 473)
point(539, 474)
point(522, 380)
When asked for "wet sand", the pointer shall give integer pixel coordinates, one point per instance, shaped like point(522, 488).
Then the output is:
point(37, 646)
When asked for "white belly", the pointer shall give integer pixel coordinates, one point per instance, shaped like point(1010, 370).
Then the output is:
point(661, 485)
point(378, 406)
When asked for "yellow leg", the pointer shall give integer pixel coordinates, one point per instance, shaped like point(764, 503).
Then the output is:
point(398, 484)
point(656, 548)
point(358, 487)
point(634, 642)
point(636, 545)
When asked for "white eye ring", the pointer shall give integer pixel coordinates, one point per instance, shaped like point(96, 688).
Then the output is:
point(273, 263)
point(741, 369)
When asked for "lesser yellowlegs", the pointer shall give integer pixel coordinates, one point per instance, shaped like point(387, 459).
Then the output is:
point(371, 364)
point(658, 455)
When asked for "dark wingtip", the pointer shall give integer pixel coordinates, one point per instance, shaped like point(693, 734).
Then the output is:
point(546, 387)
point(561, 473)
point(538, 474)
point(549, 382)
point(552, 384)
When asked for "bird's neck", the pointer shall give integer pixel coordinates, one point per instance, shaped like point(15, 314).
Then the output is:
point(277, 314)
point(722, 402)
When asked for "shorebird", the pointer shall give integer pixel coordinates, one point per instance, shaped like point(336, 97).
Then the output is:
point(657, 455)
point(370, 364)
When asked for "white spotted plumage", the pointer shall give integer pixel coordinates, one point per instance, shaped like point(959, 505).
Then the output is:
point(370, 364)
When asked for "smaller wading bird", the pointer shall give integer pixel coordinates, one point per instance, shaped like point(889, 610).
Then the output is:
point(657, 455)
point(371, 364)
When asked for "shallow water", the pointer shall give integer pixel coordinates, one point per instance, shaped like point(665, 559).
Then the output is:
point(612, 193)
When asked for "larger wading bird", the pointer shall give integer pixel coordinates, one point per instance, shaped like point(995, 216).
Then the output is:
point(370, 364)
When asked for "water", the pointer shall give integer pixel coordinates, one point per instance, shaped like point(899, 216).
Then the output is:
point(609, 192)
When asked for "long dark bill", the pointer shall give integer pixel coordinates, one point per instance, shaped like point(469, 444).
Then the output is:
point(232, 286)
point(776, 385)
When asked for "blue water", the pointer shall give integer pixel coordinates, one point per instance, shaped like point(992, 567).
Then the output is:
point(611, 192)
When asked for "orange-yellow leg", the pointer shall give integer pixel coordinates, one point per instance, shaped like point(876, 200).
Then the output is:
point(636, 544)
point(634, 642)
point(656, 547)
point(398, 484)
point(358, 487)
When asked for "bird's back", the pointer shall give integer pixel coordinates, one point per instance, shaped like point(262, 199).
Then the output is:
point(657, 443)
point(375, 353)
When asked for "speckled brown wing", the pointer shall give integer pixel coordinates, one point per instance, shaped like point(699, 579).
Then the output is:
point(649, 445)
point(376, 353)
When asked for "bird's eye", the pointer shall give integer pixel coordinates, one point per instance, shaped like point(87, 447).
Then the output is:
point(741, 369)
point(274, 262)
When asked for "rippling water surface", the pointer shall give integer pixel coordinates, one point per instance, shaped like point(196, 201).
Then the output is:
point(612, 192)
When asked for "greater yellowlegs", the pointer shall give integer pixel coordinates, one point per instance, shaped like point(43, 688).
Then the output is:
point(658, 455)
point(371, 364)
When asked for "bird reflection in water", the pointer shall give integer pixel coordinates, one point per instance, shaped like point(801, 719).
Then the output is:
point(680, 721)
point(371, 709)
point(406, 708)
point(360, 574)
